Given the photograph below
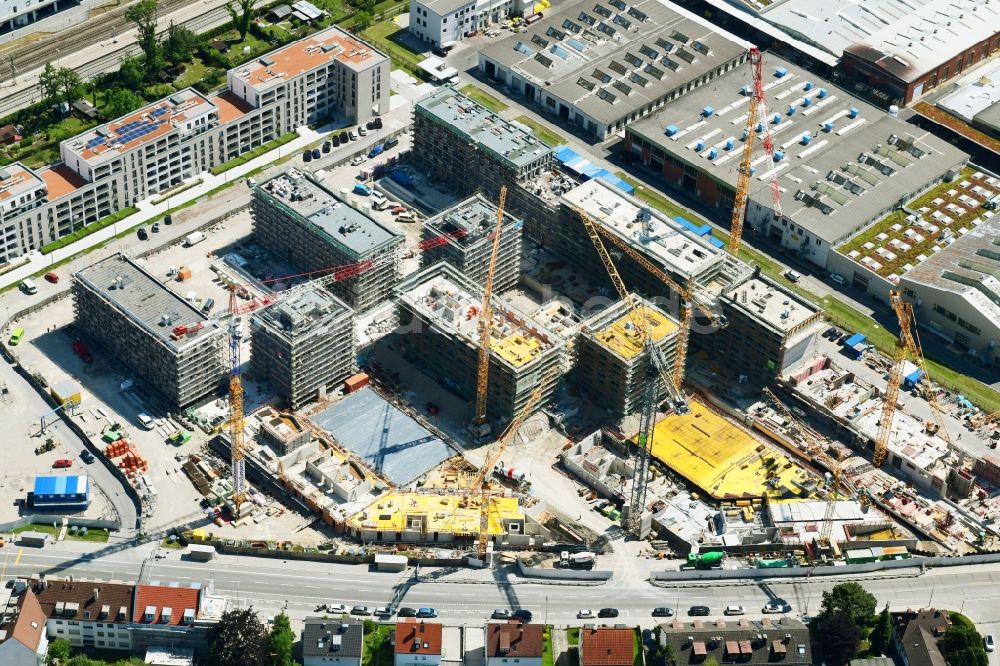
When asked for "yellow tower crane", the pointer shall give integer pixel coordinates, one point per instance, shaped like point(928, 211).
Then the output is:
point(481, 483)
point(480, 426)
point(237, 449)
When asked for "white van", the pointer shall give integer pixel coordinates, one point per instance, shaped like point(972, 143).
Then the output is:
point(406, 217)
point(378, 200)
point(194, 238)
point(28, 286)
point(146, 421)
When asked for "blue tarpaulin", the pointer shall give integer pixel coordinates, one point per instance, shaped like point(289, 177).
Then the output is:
point(618, 182)
point(855, 339)
point(566, 154)
point(910, 380)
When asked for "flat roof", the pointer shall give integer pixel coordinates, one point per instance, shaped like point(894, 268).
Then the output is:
point(834, 181)
point(442, 513)
point(444, 7)
point(905, 37)
point(668, 241)
point(17, 180)
point(62, 485)
point(614, 328)
point(149, 123)
point(446, 297)
point(610, 58)
point(231, 106)
point(304, 313)
point(512, 142)
point(976, 92)
point(940, 218)
point(325, 47)
point(780, 308)
point(60, 180)
point(387, 438)
point(145, 300)
point(469, 222)
point(346, 227)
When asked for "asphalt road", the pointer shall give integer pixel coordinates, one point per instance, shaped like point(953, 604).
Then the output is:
point(269, 584)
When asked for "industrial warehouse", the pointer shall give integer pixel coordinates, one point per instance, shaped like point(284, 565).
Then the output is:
point(639, 304)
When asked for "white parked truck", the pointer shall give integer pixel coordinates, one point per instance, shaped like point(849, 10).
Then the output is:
point(194, 238)
point(584, 560)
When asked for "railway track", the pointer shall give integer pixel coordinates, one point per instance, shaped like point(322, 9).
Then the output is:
point(28, 59)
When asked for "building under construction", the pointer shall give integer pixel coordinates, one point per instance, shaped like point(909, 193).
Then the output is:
point(301, 221)
point(157, 334)
point(469, 147)
point(612, 365)
point(440, 307)
point(303, 346)
point(468, 231)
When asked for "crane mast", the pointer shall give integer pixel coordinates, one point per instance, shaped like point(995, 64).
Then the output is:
point(479, 424)
point(758, 109)
point(237, 450)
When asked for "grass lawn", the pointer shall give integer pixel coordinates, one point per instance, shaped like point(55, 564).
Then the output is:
point(837, 311)
point(573, 635)
point(93, 535)
point(960, 620)
point(476, 93)
point(174, 545)
point(195, 71)
point(383, 35)
point(378, 651)
point(542, 132)
point(637, 648)
point(547, 647)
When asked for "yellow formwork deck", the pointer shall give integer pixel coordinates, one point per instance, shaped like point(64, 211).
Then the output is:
point(443, 514)
point(516, 349)
point(721, 459)
point(624, 340)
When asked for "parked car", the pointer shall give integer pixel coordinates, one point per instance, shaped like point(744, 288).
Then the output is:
point(439, 52)
point(307, 156)
point(370, 125)
point(586, 614)
point(141, 233)
point(607, 612)
point(522, 614)
point(406, 612)
point(352, 135)
point(335, 140)
point(362, 131)
point(663, 611)
point(777, 607)
point(427, 612)
point(156, 227)
point(399, 210)
point(361, 610)
point(989, 643)
point(87, 456)
point(501, 614)
point(699, 610)
point(378, 122)
point(327, 146)
point(792, 275)
point(837, 278)
point(336, 608)
point(344, 137)
point(733, 609)
point(391, 142)
point(831, 333)
point(62, 463)
point(52, 277)
point(384, 611)
point(169, 219)
point(358, 161)
point(316, 154)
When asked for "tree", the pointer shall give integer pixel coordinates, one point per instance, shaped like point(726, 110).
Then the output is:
point(839, 636)
point(852, 599)
point(120, 102)
point(881, 637)
point(59, 84)
point(143, 14)
point(280, 642)
point(179, 44)
point(241, 12)
point(58, 650)
point(48, 84)
point(70, 84)
point(130, 73)
point(239, 639)
point(963, 646)
point(362, 19)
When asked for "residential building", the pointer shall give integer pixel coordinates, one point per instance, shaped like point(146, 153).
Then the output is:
point(514, 643)
point(418, 643)
point(331, 74)
point(443, 23)
point(442, 336)
point(956, 292)
point(16, 14)
point(332, 642)
point(22, 631)
point(601, 66)
point(780, 641)
point(840, 163)
point(89, 614)
point(463, 236)
point(156, 333)
point(916, 635)
point(302, 221)
point(303, 345)
point(21, 190)
point(470, 148)
point(607, 646)
point(168, 614)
